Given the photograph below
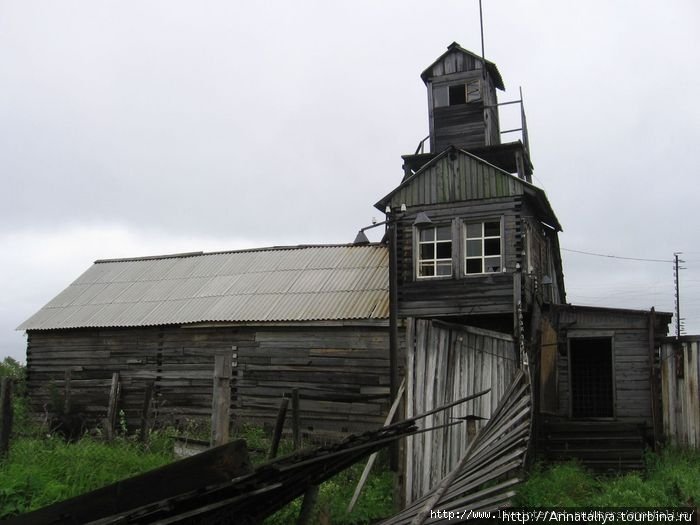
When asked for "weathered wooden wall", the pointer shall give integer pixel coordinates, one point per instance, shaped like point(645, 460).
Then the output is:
point(466, 125)
point(459, 294)
point(680, 391)
point(342, 375)
point(342, 372)
point(447, 362)
point(631, 351)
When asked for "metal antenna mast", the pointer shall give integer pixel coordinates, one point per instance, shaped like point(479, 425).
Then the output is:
point(483, 54)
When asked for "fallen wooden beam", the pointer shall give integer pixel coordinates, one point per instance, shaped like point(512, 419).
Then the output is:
point(217, 465)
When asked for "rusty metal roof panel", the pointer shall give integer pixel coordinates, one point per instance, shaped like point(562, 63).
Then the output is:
point(302, 283)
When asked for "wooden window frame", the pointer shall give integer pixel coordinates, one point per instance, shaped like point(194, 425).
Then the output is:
point(417, 249)
point(483, 238)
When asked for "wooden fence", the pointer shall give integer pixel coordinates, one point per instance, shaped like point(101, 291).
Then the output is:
point(680, 391)
point(447, 362)
point(484, 478)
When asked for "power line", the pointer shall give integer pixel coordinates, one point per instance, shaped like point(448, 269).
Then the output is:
point(617, 256)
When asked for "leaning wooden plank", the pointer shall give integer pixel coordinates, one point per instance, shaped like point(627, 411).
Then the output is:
point(217, 465)
point(481, 497)
point(373, 457)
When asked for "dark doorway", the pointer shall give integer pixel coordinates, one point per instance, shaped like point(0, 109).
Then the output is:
point(591, 377)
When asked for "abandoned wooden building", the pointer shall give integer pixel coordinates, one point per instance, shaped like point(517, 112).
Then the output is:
point(308, 317)
point(466, 287)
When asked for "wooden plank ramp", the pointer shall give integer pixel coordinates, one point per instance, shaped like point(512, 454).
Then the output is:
point(490, 467)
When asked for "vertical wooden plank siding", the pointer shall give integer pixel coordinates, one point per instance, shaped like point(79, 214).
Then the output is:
point(409, 405)
point(680, 392)
point(445, 363)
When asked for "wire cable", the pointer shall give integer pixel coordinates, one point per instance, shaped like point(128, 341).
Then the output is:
point(617, 256)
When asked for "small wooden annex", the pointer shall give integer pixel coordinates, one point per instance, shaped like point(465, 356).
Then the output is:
point(308, 317)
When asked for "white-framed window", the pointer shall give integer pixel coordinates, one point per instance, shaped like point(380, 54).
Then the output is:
point(434, 251)
point(483, 252)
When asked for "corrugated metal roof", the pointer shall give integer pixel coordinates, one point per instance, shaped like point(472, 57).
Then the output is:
point(300, 283)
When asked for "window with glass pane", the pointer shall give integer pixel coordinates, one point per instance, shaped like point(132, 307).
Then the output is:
point(435, 251)
point(483, 247)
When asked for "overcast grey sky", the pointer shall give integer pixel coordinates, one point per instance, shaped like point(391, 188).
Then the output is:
point(132, 128)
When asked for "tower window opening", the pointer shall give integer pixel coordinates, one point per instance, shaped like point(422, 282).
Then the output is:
point(464, 93)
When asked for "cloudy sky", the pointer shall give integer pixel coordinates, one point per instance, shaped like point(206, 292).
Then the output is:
point(131, 128)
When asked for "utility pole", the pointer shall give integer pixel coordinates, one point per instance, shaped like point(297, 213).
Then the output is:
point(676, 282)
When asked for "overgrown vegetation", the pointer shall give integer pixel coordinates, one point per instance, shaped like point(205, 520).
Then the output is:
point(335, 494)
point(12, 368)
point(42, 469)
point(672, 479)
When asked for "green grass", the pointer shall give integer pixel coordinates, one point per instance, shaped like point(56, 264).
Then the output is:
point(672, 479)
point(374, 503)
point(44, 470)
point(40, 472)
point(335, 494)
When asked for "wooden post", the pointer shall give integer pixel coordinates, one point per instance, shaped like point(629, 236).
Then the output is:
point(146, 411)
point(307, 506)
point(111, 421)
point(471, 430)
point(296, 434)
point(221, 400)
point(279, 426)
point(393, 326)
point(656, 426)
point(66, 392)
point(5, 415)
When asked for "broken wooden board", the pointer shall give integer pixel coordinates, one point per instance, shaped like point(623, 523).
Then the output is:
point(211, 467)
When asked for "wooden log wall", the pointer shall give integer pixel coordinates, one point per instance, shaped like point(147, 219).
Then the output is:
point(342, 372)
point(91, 356)
point(460, 295)
point(342, 375)
point(629, 331)
point(680, 391)
point(447, 362)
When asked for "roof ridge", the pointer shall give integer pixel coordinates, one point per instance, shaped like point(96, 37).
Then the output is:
point(244, 250)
